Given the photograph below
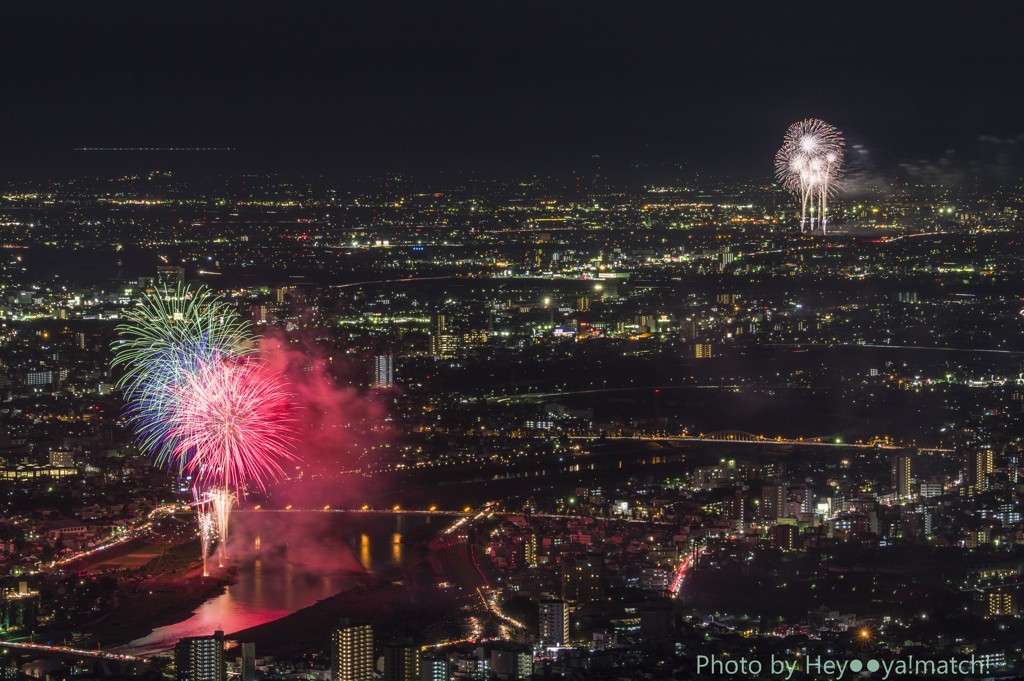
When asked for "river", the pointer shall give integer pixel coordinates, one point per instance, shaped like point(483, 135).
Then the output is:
point(288, 561)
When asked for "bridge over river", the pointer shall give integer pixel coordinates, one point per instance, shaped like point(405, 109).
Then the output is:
point(743, 436)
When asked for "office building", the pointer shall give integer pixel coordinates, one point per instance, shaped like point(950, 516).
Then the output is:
point(554, 623)
point(352, 652)
point(200, 658)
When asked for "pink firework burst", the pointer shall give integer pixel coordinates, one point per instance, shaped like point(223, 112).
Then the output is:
point(233, 425)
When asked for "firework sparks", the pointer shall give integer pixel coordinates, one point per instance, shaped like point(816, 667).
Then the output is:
point(207, 534)
point(201, 401)
point(810, 165)
point(172, 336)
point(233, 425)
point(222, 500)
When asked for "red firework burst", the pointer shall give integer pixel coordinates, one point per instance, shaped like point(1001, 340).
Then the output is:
point(233, 424)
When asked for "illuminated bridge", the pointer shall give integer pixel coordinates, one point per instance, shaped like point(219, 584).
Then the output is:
point(744, 436)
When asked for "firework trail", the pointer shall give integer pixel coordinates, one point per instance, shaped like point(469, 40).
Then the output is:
point(222, 500)
point(810, 165)
point(207, 534)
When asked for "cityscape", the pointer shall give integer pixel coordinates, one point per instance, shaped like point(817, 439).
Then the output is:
point(283, 403)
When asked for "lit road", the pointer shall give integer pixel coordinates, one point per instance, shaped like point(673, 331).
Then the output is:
point(67, 650)
point(681, 572)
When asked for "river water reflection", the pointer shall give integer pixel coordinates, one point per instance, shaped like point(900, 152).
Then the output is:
point(288, 561)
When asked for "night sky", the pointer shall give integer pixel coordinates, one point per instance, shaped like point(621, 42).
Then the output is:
point(932, 89)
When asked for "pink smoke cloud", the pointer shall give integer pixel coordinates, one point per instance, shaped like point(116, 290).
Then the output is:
point(340, 428)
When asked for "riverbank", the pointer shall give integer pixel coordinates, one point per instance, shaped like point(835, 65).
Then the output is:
point(392, 609)
point(146, 604)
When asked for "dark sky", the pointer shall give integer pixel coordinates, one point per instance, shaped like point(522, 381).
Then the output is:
point(499, 87)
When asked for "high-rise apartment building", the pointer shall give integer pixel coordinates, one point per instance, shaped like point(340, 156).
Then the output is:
point(352, 652)
point(583, 578)
point(978, 464)
point(401, 663)
point(434, 667)
point(383, 371)
point(901, 480)
point(807, 501)
point(773, 502)
point(511, 664)
point(554, 623)
point(783, 537)
point(700, 350)
point(995, 603)
point(200, 658)
point(248, 662)
point(732, 508)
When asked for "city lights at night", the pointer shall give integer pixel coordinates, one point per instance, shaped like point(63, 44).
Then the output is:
point(419, 342)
